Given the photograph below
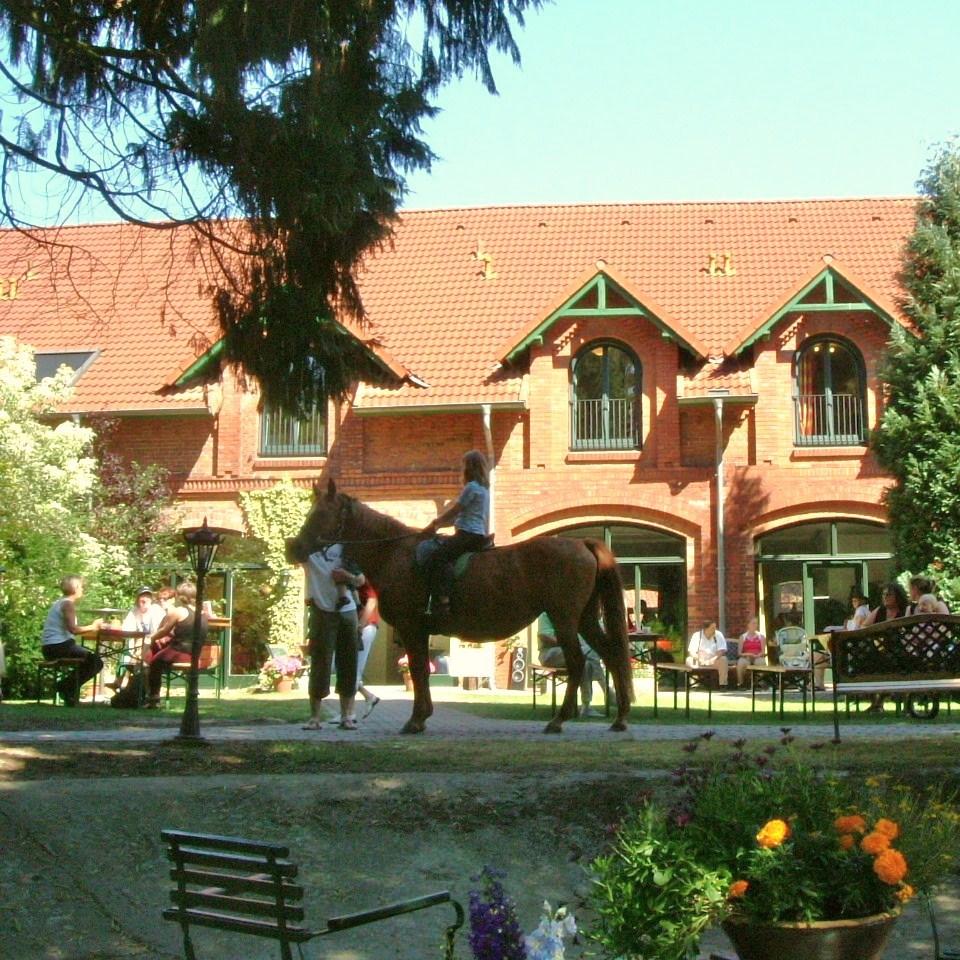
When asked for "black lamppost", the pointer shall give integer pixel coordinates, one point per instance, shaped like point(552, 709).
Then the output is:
point(202, 543)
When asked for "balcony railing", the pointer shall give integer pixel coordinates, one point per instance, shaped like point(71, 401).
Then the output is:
point(608, 424)
point(829, 420)
point(282, 435)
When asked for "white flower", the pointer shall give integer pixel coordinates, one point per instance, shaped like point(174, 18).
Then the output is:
point(546, 942)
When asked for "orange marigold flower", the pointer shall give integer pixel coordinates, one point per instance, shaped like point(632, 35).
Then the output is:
point(890, 866)
point(905, 893)
point(874, 843)
point(889, 828)
point(852, 824)
point(773, 833)
point(847, 841)
point(737, 889)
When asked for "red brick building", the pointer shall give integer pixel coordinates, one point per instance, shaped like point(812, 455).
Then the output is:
point(694, 382)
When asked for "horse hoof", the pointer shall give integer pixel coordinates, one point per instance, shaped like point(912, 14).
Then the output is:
point(553, 727)
point(411, 727)
point(618, 726)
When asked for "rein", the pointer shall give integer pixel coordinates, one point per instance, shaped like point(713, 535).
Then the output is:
point(402, 536)
point(342, 522)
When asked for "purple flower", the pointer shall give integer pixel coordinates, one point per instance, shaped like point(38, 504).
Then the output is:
point(495, 933)
point(770, 751)
point(785, 730)
point(708, 735)
point(786, 740)
point(740, 743)
point(817, 746)
point(761, 760)
point(690, 747)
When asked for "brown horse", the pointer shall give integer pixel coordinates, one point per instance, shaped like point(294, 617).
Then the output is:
point(502, 591)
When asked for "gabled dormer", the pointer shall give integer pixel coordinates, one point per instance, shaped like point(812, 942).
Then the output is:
point(603, 296)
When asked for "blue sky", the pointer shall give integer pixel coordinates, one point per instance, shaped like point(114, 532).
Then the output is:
point(636, 100)
point(648, 100)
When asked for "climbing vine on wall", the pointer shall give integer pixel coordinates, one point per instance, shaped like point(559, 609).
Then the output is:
point(272, 515)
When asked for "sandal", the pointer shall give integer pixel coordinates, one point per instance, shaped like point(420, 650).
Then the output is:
point(312, 725)
point(348, 724)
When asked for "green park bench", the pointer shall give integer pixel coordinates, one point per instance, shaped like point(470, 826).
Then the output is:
point(246, 887)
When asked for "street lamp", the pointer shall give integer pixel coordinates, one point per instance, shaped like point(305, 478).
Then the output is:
point(202, 543)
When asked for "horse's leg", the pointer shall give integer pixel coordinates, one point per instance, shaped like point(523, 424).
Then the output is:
point(416, 643)
point(617, 662)
point(576, 663)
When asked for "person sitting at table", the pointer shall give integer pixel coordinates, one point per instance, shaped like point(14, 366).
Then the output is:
point(143, 620)
point(708, 648)
point(860, 610)
point(144, 616)
point(753, 650)
point(172, 641)
point(57, 639)
point(923, 586)
point(551, 655)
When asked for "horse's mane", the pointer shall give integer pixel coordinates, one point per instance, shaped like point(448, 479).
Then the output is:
point(376, 525)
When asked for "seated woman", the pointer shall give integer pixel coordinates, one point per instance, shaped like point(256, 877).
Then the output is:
point(708, 648)
point(173, 640)
point(923, 586)
point(753, 650)
point(893, 607)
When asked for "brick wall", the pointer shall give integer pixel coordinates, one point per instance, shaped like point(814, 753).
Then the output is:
point(408, 465)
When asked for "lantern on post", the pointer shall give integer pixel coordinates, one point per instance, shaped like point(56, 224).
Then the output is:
point(202, 543)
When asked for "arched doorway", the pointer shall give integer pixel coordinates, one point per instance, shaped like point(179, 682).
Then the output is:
point(653, 566)
point(805, 571)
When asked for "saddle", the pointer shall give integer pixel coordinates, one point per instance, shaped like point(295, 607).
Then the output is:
point(426, 549)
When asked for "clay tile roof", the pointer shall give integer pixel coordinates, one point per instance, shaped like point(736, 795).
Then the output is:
point(449, 324)
point(453, 287)
point(139, 297)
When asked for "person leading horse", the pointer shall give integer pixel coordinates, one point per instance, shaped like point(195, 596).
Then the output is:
point(502, 590)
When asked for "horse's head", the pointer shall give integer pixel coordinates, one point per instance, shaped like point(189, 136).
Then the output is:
point(325, 523)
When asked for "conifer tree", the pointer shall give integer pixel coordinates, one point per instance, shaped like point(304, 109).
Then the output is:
point(301, 117)
point(918, 438)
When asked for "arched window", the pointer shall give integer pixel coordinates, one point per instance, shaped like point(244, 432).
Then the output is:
point(605, 408)
point(830, 399)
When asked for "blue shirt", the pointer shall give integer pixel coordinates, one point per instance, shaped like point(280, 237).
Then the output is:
point(474, 515)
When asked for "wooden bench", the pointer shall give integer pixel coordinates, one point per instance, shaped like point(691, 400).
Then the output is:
point(57, 670)
point(246, 887)
point(780, 677)
point(902, 658)
point(555, 675)
point(551, 675)
point(706, 677)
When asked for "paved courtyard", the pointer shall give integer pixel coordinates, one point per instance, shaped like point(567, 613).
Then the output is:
point(395, 704)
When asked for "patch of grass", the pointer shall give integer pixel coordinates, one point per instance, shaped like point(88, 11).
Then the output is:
point(727, 709)
point(235, 707)
point(924, 758)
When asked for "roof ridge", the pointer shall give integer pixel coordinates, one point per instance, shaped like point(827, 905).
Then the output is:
point(793, 201)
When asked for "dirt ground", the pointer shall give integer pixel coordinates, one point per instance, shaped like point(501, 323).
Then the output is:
point(83, 874)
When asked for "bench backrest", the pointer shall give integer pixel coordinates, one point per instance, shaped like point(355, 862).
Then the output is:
point(229, 883)
point(924, 647)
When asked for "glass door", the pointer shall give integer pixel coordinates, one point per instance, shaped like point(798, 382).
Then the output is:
point(826, 592)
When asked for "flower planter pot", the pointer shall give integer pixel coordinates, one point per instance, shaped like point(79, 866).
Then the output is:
point(860, 939)
point(284, 685)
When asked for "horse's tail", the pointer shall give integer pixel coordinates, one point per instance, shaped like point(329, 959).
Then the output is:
point(609, 592)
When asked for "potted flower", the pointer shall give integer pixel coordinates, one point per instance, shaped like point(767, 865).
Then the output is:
point(794, 863)
point(279, 673)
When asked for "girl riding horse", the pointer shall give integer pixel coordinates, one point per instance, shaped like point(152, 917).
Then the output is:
point(503, 590)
